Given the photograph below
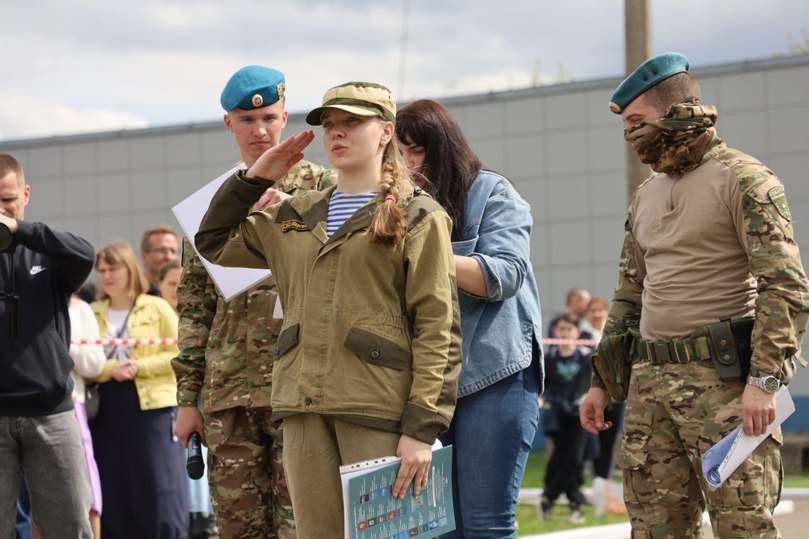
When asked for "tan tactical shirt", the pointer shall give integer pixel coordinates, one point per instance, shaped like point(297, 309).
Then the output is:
point(713, 243)
point(226, 347)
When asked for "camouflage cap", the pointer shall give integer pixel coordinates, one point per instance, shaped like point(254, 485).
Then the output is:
point(253, 87)
point(649, 73)
point(360, 98)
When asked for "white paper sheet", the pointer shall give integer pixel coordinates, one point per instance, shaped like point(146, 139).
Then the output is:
point(229, 281)
point(720, 461)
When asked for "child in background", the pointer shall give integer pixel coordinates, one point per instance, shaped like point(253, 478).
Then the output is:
point(567, 379)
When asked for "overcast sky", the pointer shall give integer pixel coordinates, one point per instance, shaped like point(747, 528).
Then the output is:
point(100, 65)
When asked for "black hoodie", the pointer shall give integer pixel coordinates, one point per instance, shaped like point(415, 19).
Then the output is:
point(42, 267)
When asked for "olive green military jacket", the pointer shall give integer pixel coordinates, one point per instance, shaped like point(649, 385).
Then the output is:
point(226, 346)
point(371, 332)
point(732, 253)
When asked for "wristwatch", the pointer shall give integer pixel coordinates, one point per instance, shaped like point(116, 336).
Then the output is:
point(769, 383)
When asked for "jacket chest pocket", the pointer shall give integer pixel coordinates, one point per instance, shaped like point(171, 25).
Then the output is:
point(286, 340)
point(377, 350)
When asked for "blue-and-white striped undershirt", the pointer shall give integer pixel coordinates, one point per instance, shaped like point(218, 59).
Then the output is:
point(342, 206)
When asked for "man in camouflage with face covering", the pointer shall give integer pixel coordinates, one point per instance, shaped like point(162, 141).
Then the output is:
point(708, 248)
point(226, 347)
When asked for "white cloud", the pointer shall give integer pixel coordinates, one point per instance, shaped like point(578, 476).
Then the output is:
point(165, 61)
point(25, 116)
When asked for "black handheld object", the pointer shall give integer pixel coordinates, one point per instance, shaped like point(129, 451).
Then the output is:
point(195, 465)
point(13, 311)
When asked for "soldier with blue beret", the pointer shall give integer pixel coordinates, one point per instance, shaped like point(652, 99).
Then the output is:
point(713, 296)
point(226, 347)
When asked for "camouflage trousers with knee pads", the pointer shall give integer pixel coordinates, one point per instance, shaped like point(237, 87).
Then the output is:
point(675, 413)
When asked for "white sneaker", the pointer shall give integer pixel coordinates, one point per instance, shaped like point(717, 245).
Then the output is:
point(599, 496)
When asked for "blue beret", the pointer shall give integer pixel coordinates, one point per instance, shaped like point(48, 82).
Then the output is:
point(253, 87)
point(649, 73)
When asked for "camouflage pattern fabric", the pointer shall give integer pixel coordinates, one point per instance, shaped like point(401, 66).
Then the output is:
point(676, 412)
point(677, 142)
point(248, 486)
point(782, 308)
point(225, 360)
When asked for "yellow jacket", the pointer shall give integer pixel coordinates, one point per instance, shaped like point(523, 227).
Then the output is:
point(151, 318)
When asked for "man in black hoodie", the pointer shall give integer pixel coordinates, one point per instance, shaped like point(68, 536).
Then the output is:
point(39, 435)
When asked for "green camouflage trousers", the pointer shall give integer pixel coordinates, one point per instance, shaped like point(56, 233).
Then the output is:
point(248, 487)
point(674, 414)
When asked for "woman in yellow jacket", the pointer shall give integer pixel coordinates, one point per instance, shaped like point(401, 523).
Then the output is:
point(139, 459)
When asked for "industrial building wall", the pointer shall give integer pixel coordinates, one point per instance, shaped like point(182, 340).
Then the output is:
point(560, 145)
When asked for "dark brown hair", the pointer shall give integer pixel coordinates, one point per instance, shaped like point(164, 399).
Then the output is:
point(450, 164)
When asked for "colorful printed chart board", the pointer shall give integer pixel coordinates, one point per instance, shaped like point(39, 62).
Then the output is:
point(371, 512)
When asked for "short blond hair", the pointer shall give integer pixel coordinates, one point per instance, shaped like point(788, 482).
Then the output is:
point(120, 253)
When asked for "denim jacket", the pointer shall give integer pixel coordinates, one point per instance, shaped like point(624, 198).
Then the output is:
point(502, 332)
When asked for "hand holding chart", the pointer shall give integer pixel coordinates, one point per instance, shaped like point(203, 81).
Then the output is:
point(720, 461)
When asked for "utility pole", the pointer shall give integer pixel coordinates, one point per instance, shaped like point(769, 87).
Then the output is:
point(638, 43)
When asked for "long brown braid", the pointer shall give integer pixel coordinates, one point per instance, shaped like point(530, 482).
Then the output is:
point(388, 223)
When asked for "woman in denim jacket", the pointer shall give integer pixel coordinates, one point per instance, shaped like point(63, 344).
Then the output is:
point(497, 412)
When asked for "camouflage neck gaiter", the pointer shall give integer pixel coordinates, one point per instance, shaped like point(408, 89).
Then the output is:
point(675, 143)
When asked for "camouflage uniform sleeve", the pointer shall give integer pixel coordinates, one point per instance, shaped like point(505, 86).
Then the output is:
point(626, 298)
point(782, 305)
point(196, 304)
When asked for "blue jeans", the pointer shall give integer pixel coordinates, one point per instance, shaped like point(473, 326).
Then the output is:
point(492, 433)
point(23, 513)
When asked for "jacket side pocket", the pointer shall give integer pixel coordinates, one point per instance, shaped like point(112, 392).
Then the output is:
point(286, 340)
point(377, 350)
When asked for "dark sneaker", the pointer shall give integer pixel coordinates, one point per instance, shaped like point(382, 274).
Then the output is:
point(545, 506)
point(203, 526)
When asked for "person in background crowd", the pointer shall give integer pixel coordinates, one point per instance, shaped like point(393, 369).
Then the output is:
point(140, 461)
point(88, 360)
point(576, 302)
point(158, 245)
point(604, 500)
point(566, 382)
point(368, 358)
point(168, 279)
point(226, 346)
point(40, 438)
point(709, 250)
point(595, 316)
point(497, 414)
point(203, 521)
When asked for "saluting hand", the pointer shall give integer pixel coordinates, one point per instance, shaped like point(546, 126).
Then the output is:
point(276, 162)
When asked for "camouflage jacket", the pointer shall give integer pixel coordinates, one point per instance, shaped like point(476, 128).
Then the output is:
point(772, 287)
point(226, 347)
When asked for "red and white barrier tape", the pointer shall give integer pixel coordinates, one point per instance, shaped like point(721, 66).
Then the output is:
point(584, 342)
point(124, 342)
